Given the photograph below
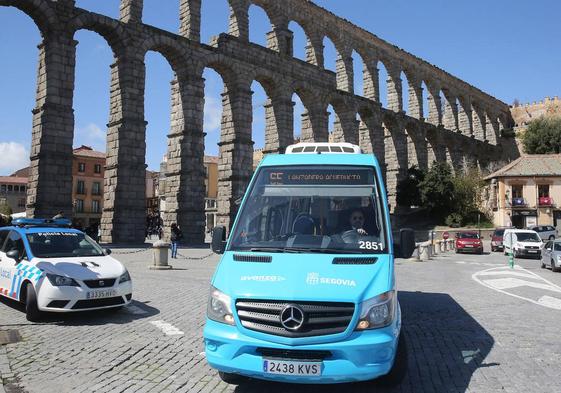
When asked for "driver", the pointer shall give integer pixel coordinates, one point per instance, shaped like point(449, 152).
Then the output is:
point(356, 220)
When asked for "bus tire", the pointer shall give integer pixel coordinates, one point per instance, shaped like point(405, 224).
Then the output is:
point(32, 312)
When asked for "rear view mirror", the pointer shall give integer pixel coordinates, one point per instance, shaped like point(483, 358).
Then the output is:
point(218, 239)
point(406, 245)
point(107, 251)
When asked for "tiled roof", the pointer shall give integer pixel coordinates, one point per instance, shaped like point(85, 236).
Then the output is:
point(531, 165)
point(86, 151)
point(13, 180)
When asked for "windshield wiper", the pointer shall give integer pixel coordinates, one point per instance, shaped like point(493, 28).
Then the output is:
point(271, 249)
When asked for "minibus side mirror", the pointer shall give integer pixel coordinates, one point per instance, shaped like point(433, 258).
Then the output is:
point(406, 243)
point(107, 251)
point(218, 239)
point(13, 254)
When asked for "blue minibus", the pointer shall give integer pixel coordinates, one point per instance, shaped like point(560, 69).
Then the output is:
point(305, 290)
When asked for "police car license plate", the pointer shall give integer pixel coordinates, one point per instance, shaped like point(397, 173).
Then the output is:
point(101, 294)
point(273, 366)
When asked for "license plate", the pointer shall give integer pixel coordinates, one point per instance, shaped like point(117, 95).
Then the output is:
point(533, 251)
point(469, 246)
point(101, 294)
point(272, 366)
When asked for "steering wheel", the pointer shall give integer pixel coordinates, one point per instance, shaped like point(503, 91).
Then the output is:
point(351, 236)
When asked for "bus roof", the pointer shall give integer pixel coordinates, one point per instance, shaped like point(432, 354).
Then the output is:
point(319, 159)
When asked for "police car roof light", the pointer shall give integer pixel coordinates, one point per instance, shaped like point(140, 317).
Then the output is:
point(41, 222)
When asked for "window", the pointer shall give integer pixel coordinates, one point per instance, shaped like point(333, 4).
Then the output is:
point(15, 242)
point(79, 205)
point(22, 188)
point(10, 187)
point(543, 190)
point(517, 191)
point(3, 236)
point(95, 206)
point(97, 168)
point(21, 202)
point(16, 188)
point(96, 188)
point(81, 167)
point(80, 187)
point(3, 188)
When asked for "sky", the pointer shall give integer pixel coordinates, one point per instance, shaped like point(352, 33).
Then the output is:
point(511, 49)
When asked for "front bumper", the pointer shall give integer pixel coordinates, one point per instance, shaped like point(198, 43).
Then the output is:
point(52, 299)
point(361, 356)
point(475, 249)
point(529, 253)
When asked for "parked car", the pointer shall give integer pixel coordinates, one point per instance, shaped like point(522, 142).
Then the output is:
point(551, 255)
point(546, 232)
point(497, 239)
point(468, 242)
point(522, 242)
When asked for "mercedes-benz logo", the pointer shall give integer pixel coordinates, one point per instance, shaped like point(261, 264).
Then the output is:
point(292, 317)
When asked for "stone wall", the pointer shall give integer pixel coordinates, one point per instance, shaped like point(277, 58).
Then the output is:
point(462, 124)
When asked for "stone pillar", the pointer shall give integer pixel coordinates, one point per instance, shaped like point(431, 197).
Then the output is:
point(190, 19)
point(395, 90)
point(50, 178)
point(124, 207)
point(371, 83)
point(314, 50)
point(479, 123)
point(281, 40)
point(465, 120)
point(345, 71)
point(435, 105)
point(239, 19)
point(417, 150)
point(492, 129)
point(236, 150)
point(185, 175)
point(451, 113)
point(131, 11)
point(346, 127)
point(371, 135)
point(67, 3)
point(315, 124)
point(415, 98)
point(395, 142)
point(279, 123)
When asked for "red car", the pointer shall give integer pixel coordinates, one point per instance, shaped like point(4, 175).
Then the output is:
point(468, 242)
point(497, 239)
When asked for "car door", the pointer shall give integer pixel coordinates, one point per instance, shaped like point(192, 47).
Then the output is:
point(546, 253)
point(13, 242)
point(5, 265)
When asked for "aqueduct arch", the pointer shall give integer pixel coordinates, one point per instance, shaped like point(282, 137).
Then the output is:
point(460, 119)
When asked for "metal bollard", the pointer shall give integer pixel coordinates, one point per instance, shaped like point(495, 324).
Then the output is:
point(418, 252)
point(160, 256)
point(435, 248)
point(441, 245)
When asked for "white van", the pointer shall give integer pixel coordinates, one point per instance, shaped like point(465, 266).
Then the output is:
point(522, 242)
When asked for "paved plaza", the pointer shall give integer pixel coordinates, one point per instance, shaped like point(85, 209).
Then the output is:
point(471, 323)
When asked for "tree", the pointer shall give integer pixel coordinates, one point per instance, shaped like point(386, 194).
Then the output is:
point(5, 209)
point(437, 190)
point(543, 136)
point(408, 192)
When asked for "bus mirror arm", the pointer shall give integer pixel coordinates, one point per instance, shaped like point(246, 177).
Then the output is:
point(406, 245)
point(218, 243)
point(13, 254)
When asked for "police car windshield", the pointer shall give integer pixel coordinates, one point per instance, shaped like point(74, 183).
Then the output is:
point(62, 245)
point(312, 209)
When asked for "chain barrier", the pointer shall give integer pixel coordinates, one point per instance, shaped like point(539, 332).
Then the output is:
point(130, 252)
point(195, 258)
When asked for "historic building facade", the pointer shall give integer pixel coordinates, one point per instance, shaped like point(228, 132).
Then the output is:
point(462, 124)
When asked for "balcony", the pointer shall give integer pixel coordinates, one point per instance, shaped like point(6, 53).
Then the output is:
point(519, 202)
point(545, 201)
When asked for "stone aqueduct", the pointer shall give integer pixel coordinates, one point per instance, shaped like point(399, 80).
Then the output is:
point(463, 125)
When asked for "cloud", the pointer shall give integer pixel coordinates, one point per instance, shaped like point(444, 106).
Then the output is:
point(14, 157)
point(213, 114)
point(90, 135)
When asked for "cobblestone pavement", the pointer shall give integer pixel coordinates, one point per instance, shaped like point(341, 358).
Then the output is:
point(469, 329)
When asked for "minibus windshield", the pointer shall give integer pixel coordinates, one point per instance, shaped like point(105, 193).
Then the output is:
point(331, 209)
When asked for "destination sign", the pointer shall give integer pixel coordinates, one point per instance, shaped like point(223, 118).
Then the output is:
point(318, 176)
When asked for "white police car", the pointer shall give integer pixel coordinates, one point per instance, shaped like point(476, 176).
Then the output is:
point(50, 267)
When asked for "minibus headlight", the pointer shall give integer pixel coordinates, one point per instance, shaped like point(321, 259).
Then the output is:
point(125, 277)
point(218, 308)
point(377, 312)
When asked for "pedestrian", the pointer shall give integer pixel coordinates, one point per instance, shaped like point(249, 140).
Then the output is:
point(59, 215)
point(176, 236)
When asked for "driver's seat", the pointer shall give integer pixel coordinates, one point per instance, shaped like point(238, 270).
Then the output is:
point(303, 225)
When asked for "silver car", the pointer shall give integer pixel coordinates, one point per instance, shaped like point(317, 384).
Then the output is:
point(546, 232)
point(551, 255)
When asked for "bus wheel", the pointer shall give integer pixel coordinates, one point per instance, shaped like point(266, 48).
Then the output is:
point(32, 312)
point(399, 368)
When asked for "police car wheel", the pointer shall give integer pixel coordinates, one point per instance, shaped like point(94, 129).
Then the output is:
point(399, 369)
point(232, 379)
point(32, 312)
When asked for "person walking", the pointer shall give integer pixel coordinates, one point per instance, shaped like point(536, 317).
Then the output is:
point(176, 236)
